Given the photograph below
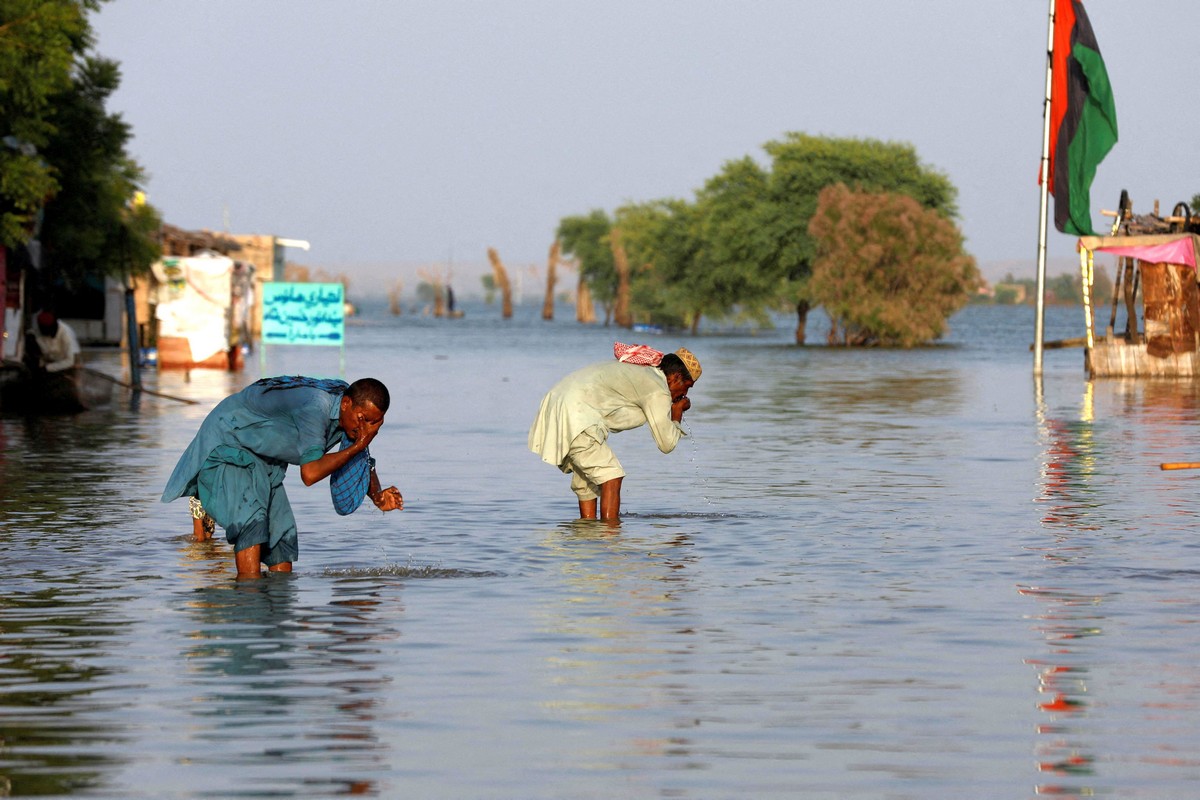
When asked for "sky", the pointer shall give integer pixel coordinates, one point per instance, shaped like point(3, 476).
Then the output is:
point(399, 135)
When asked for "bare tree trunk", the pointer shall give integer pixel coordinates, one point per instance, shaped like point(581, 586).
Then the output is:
point(802, 308)
point(439, 298)
point(501, 275)
point(585, 309)
point(621, 311)
point(394, 293)
point(551, 279)
point(695, 323)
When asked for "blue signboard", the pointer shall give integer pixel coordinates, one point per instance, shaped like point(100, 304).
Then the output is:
point(303, 313)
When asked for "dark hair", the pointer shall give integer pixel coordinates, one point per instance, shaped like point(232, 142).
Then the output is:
point(672, 364)
point(369, 390)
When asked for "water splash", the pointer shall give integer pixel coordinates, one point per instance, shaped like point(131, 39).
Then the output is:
point(409, 570)
point(703, 481)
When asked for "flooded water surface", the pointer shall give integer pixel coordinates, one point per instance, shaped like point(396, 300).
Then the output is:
point(876, 573)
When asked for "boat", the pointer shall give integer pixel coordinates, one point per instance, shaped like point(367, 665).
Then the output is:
point(68, 392)
point(1156, 278)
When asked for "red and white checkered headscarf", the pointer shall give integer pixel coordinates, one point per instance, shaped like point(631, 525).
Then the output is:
point(637, 354)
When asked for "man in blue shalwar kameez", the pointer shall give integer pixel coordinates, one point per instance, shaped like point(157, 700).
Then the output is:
point(234, 467)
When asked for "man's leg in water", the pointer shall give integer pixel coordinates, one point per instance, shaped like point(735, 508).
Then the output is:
point(595, 471)
point(202, 523)
point(609, 502)
point(610, 499)
point(249, 563)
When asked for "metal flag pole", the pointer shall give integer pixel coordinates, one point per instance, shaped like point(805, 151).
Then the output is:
point(1039, 323)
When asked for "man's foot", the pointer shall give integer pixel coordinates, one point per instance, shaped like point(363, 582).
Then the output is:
point(202, 529)
point(202, 524)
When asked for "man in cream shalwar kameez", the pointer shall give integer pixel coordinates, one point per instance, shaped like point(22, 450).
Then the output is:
point(577, 415)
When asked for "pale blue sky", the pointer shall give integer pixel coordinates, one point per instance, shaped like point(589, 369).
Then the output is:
point(392, 134)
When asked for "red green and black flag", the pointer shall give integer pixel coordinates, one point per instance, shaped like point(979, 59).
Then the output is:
point(1083, 118)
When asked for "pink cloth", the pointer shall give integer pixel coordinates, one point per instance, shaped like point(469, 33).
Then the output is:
point(637, 354)
point(1179, 251)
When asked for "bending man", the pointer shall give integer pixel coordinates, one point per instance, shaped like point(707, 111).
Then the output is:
point(233, 470)
point(577, 415)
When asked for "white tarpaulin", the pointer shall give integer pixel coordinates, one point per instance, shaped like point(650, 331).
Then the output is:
point(194, 295)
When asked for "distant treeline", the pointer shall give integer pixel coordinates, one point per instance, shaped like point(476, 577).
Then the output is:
point(1065, 289)
point(858, 227)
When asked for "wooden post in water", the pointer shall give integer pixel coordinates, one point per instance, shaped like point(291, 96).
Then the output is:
point(551, 279)
point(502, 283)
point(134, 341)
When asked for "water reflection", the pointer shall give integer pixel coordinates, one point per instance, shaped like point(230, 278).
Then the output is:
point(1099, 484)
point(283, 686)
point(1067, 620)
point(1069, 463)
point(63, 472)
point(59, 667)
point(627, 633)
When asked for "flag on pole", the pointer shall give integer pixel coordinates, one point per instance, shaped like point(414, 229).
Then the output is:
point(1083, 118)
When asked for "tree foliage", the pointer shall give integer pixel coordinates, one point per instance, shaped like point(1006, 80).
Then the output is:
point(702, 258)
point(803, 165)
point(887, 269)
point(65, 164)
point(586, 239)
point(39, 40)
point(92, 226)
point(742, 245)
point(661, 252)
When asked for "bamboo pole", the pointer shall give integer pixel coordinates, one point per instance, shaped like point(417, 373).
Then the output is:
point(142, 389)
point(1039, 323)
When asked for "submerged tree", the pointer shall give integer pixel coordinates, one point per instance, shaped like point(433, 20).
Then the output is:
point(742, 246)
point(657, 241)
point(888, 271)
point(586, 239)
point(803, 165)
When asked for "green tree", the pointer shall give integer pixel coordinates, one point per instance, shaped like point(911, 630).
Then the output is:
point(39, 41)
point(803, 165)
point(1006, 295)
point(661, 246)
point(586, 239)
point(702, 258)
point(63, 165)
point(737, 248)
point(93, 227)
point(887, 270)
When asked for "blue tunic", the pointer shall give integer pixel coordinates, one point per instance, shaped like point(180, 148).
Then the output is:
point(238, 459)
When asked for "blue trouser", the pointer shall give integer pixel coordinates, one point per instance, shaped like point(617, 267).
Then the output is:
point(245, 495)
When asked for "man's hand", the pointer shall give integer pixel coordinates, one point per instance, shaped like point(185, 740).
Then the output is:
point(365, 432)
point(678, 406)
point(388, 499)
